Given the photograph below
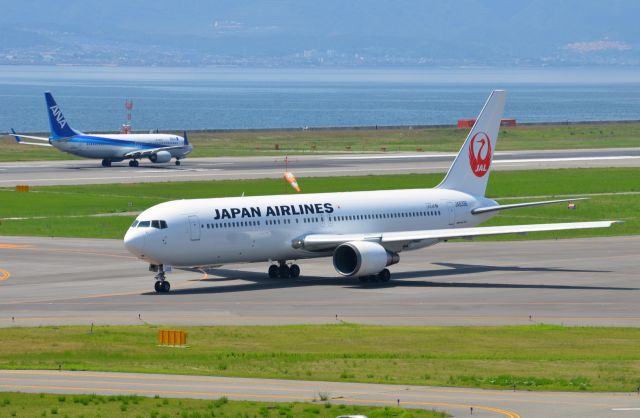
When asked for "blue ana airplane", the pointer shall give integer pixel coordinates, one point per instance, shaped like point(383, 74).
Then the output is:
point(158, 148)
point(363, 232)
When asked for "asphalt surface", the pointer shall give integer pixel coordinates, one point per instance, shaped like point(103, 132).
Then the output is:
point(60, 281)
point(71, 172)
point(572, 282)
point(458, 402)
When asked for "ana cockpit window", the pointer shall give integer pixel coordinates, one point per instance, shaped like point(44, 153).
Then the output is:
point(163, 225)
point(144, 224)
point(133, 225)
point(159, 224)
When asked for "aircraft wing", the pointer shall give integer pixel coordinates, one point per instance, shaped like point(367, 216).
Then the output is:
point(37, 138)
point(325, 242)
point(148, 152)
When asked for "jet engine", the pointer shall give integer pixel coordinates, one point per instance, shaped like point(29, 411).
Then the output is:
point(160, 157)
point(362, 258)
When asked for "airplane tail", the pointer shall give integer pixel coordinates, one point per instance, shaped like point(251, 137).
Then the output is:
point(59, 126)
point(469, 172)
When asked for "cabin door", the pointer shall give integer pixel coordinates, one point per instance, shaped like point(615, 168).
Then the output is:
point(194, 228)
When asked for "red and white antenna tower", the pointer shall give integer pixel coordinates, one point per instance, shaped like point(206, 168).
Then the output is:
point(126, 128)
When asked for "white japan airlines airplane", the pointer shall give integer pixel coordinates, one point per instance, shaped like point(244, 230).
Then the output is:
point(158, 148)
point(363, 232)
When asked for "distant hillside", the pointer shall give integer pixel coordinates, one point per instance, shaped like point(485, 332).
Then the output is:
point(326, 33)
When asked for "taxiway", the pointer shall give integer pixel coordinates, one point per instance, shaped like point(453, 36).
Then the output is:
point(456, 401)
point(573, 282)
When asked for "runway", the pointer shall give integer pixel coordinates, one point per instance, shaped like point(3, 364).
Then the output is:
point(71, 172)
point(458, 402)
point(594, 281)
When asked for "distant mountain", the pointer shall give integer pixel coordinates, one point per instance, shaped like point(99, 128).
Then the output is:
point(325, 33)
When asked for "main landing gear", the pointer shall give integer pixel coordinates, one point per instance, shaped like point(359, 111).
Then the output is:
point(161, 285)
point(284, 271)
point(177, 161)
point(133, 163)
point(106, 163)
point(383, 276)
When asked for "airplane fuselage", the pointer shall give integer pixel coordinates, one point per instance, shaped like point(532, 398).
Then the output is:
point(202, 232)
point(114, 147)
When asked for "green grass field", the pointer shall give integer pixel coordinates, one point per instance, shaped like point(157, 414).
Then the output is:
point(42, 405)
point(66, 210)
point(536, 357)
point(529, 137)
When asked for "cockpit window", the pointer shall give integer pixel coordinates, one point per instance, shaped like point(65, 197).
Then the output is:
point(144, 224)
point(163, 224)
point(133, 225)
point(155, 224)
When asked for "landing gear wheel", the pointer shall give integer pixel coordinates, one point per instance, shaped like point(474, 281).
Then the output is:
point(294, 271)
point(284, 271)
point(133, 163)
point(274, 271)
point(106, 163)
point(178, 162)
point(363, 279)
point(165, 286)
point(156, 286)
point(384, 275)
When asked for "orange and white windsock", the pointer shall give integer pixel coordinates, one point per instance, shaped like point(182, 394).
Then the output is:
point(289, 177)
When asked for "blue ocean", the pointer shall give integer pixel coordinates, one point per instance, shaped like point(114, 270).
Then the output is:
point(93, 98)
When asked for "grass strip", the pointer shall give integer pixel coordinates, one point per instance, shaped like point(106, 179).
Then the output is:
point(274, 142)
point(42, 405)
point(536, 357)
point(66, 211)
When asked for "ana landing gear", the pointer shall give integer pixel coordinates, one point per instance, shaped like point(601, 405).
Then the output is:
point(106, 163)
point(284, 271)
point(384, 276)
point(177, 161)
point(133, 163)
point(161, 285)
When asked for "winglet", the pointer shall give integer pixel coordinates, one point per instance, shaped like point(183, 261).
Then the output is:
point(13, 131)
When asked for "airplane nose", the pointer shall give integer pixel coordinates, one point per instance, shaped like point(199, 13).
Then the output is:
point(134, 242)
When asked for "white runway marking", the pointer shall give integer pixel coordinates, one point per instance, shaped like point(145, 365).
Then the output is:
point(566, 159)
point(390, 157)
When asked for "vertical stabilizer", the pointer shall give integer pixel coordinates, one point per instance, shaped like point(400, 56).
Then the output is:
point(58, 124)
point(469, 172)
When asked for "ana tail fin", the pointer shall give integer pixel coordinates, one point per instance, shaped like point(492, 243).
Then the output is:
point(469, 172)
point(59, 126)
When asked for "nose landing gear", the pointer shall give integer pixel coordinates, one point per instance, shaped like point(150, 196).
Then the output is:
point(161, 285)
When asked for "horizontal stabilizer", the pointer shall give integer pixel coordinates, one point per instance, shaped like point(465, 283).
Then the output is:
point(487, 209)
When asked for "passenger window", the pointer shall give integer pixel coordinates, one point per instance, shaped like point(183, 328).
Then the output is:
point(144, 224)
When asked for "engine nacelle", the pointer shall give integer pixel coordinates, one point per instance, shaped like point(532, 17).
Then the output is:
point(362, 258)
point(160, 157)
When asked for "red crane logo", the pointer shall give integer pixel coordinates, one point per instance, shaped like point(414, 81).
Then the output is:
point(480, 154)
